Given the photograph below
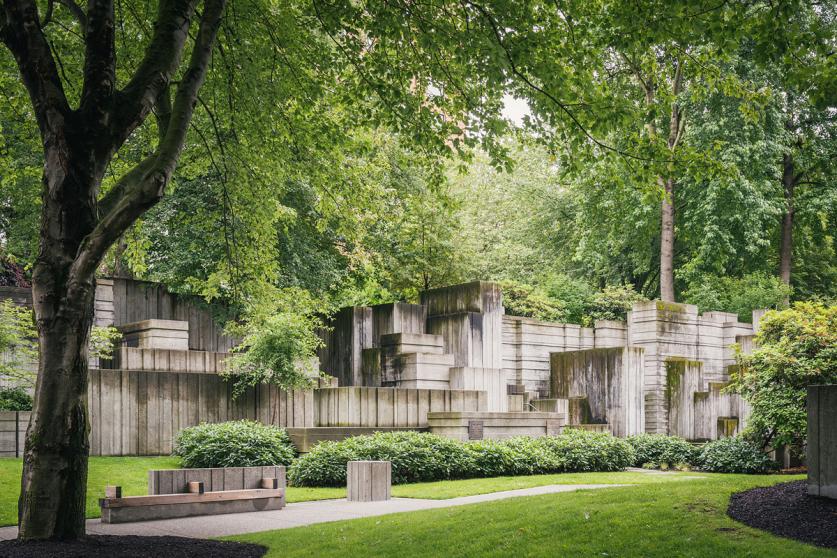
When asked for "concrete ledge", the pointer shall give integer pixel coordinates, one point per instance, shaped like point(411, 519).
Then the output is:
point(495, 426)
point(167, 506)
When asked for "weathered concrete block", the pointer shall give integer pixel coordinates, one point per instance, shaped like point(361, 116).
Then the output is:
point(368, 481)
point(822, 441)
point(611, 381)
point(156, 334)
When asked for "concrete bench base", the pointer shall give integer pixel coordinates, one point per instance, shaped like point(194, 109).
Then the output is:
point(168, 506)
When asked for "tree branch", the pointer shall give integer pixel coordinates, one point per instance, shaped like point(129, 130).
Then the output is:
point(97, 93)
point(161, 60)
point(20, 31)
point(145, 185)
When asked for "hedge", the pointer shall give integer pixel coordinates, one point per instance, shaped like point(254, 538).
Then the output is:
point(240, 443)
point(659, 450)
point(421, 457)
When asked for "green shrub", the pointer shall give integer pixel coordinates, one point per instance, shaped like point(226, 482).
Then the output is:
point(520, 299)
point(741, 295)
point(15, 399)
point(415, 457)
point(582, 451)
point(658, 450)
point(418, 457)
point(734, 455)
point(241, 443)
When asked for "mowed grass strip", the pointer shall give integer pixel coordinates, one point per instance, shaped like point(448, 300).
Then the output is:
point(443, 490)
point(671, 519)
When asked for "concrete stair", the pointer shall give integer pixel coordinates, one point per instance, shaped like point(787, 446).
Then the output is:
point(419, 371)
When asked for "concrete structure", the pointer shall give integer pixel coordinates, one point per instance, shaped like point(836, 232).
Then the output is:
point(611, 382)
point(368, 481)
point(495, 426)
point(216, 479)
point(390, 366)
point(822, 441)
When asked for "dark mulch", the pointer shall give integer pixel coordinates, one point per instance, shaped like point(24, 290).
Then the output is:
point(787, 510)
point(131, 547)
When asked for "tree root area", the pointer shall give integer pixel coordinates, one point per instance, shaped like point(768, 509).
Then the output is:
point(788, 511)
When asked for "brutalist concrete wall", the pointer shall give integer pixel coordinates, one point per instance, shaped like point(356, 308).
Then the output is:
point(612, 381)
point(527, 344)
point(667, 330)
point(354, 329)
point(470, 319)
point(822, 441)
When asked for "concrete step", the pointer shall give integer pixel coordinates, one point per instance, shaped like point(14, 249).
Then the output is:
point(419, 370)
point(395, 343)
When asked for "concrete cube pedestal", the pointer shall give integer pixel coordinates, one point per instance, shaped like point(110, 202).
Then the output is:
point(368, 481)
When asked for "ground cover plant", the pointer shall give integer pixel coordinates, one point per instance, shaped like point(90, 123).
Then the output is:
point(635, 521)
point(242, 443)
point(420, 457)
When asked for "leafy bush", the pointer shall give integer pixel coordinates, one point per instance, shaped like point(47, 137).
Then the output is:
point(741, 295)
point(15, 399)
point(613, 303)
point(524, 300)
point(18, 343)
point(415, 457)
point(659, 450)
point(241, 443)
point(796, 348)
point(278, 346)
point(102, 341)
point(734, 455)
point(582, 451)
point(418, 457)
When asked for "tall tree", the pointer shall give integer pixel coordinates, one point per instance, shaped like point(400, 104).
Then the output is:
point(424, 69)
point(77, 227)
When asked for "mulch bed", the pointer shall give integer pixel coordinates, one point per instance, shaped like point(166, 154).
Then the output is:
point(787, 510)
point(131, 547)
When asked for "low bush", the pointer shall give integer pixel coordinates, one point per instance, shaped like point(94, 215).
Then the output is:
point(583, 451)
point(418, 457)
point(15, 399)
point(661, 451)
point(734, 455)
point(241, 443)
point(415, 457)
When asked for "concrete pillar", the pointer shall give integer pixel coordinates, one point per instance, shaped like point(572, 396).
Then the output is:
point(822, 441)
point(368, 481)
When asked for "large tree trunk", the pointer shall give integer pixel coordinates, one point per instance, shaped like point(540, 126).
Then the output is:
point(77, 228)
point(54, 481)
point(786, 242)
point(667, 241)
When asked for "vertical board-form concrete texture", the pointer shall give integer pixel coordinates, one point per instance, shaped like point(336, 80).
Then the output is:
point(822, 441)
point(610, 379)
point(368, 481)
point(215, 479)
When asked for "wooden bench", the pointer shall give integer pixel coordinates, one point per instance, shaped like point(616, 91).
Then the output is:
point(192, 492)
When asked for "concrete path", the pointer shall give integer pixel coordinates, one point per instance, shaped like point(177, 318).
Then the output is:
point(299, 514)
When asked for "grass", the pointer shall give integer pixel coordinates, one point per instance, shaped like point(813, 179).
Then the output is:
point(443, 490)
point(131, 473)
point(656, 519)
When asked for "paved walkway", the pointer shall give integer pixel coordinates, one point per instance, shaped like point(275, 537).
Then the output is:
point(299, 514)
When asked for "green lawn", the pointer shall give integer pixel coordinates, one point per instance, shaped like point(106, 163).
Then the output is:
point(666, 519)
point(443, 490)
